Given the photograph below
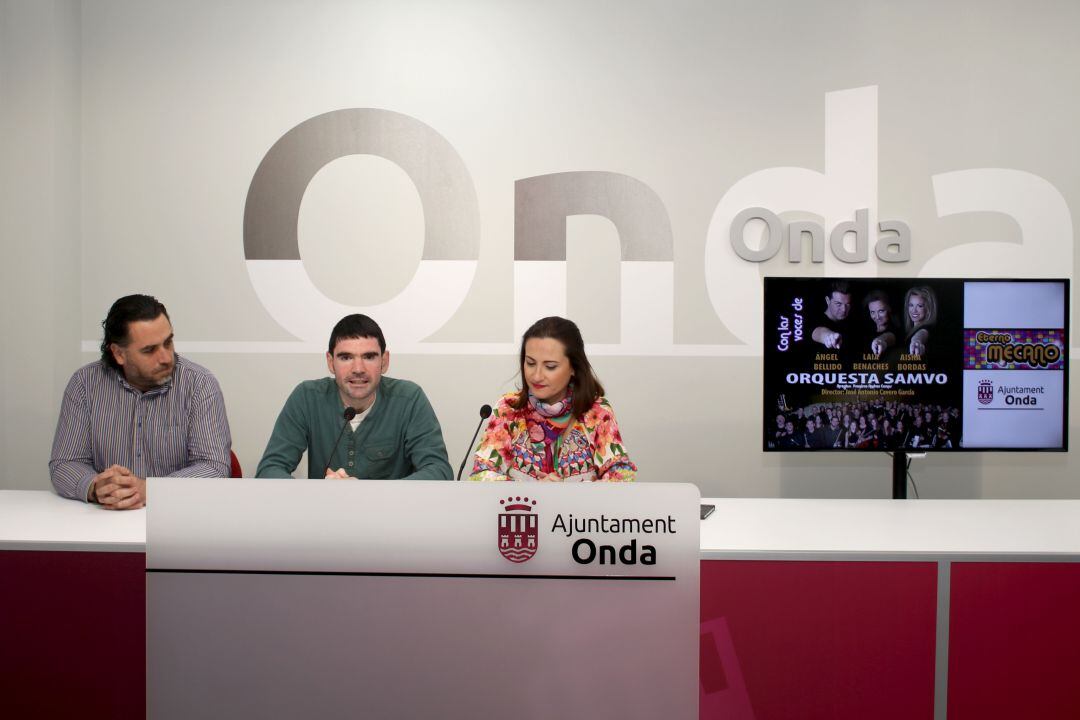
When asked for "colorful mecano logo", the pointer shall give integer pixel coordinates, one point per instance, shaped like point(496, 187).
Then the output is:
point(517, 529)
point(1015, 349)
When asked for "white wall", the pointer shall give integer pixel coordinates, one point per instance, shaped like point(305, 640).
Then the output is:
point(40, 136)
point(132, 131)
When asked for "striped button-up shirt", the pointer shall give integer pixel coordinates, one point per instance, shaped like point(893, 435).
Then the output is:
point(178, 429)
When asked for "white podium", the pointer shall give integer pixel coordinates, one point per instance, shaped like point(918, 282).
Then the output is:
point(408, 599)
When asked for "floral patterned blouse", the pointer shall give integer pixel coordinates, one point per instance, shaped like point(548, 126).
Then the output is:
point(588, 449)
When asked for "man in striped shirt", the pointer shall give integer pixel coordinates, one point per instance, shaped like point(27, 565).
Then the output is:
point(140, 411)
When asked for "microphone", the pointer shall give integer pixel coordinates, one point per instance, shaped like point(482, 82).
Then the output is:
point(485, 412)
point(349, 414)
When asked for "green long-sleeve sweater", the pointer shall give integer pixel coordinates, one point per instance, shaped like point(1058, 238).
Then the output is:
point(399, 440)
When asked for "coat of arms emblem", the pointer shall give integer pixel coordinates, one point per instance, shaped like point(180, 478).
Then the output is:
point(517, 529)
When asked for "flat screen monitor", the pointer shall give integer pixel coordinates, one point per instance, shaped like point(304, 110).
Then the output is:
point(872, 364)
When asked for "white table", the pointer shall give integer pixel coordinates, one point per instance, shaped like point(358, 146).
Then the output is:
point(912, 607)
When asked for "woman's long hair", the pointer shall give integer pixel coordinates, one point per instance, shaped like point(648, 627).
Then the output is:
point(586, 386)
point(929, 299)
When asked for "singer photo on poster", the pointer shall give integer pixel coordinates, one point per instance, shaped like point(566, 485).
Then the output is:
point(862, 363)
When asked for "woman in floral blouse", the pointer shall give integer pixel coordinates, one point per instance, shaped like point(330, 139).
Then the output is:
point(558, 427)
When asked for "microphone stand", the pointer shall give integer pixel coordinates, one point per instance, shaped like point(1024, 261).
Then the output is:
point(485, 412)
point(348, 415)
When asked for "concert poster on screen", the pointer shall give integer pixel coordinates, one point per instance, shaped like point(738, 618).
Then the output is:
point(914, 364)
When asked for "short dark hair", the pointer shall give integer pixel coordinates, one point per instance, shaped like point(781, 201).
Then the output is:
point(586, 386)
point(126, 310)
point(839, 286)
point(877, 296)
point(356, 326)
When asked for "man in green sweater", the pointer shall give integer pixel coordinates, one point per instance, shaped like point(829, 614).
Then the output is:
point(394, 434)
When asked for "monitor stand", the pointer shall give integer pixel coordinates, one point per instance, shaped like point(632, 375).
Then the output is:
point(899, 475)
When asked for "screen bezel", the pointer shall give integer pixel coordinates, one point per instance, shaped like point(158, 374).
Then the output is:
point(765, 419)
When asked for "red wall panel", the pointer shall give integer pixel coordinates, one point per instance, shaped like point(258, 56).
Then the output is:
point(72, 635)
point(814, 640)
point(1014, 641)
